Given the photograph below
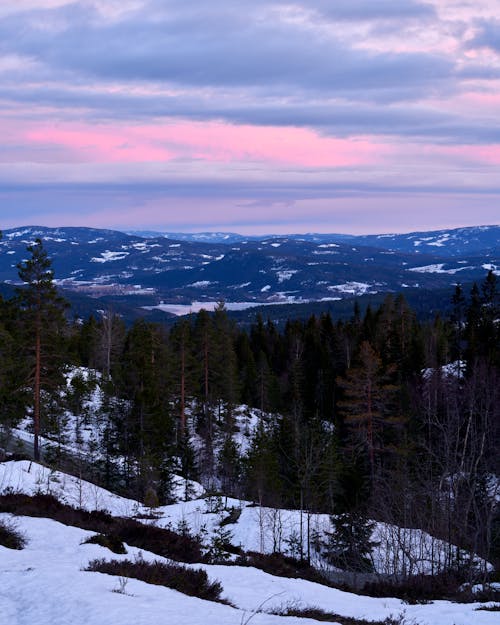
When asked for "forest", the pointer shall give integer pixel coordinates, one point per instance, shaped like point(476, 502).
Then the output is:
point(380, 417)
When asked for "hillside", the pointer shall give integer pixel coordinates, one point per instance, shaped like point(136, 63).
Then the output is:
point(47, 581)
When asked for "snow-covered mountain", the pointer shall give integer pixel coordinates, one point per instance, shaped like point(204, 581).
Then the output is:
point(471, 241)
point(298, 268)
point(447, 243)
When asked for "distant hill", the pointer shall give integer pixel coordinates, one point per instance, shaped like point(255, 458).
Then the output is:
point(132, 271)
point(445, 243)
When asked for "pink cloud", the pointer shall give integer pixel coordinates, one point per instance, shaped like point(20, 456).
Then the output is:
point(488, 154)
point(299, 146)
point(213, 141)
point(101, 144)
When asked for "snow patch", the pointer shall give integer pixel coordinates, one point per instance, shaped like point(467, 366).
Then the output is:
point(286, 274)
point(202, 284)
point(108, 256)
point(438, 268)
point(352, 288)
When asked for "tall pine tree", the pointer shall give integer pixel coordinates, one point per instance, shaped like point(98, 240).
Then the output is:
point(43, 322)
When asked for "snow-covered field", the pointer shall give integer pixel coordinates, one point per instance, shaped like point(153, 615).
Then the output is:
point(45, 584)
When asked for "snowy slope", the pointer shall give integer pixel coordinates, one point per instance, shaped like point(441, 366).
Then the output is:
point(45, 584)
point(258, 528)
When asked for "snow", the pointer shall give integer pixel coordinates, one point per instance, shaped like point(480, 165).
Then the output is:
point(441, 241)
point(202, 284)
point(141, 247)
point(258, 528)
point(46, 584)
point(18, 233)
point(433, 240)
point(354, 288)
point(30, 478)
point(194, 307)
point(108, 256)
point(286, 274)
point(453, 369)
point(438, 268)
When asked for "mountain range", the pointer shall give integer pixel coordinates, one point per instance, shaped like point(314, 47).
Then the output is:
point(168, 270)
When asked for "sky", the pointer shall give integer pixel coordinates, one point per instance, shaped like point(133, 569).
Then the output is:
point(249, 115)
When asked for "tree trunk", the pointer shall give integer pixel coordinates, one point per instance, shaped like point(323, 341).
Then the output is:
point(183, 387)
point(36, 407)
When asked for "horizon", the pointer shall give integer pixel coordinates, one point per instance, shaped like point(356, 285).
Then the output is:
point(250, 234)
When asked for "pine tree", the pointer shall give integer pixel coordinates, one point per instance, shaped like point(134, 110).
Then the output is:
point(43, 321)
point(369, 405)
point(458, 321)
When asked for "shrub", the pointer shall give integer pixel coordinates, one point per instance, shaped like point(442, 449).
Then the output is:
point(105, 540)
point(232, 517)
point(192, 582)
point(151, 498)
point(320, 615)
point(490, 608)
point(10, 536)
point(421, 588)
point(282, 566)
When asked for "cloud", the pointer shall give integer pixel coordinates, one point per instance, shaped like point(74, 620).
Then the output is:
point(219, 47)
point(360, 10)
point(488, 35)
point(330, 117)
point(136, 103)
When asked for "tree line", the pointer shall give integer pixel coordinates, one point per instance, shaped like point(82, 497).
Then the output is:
point(381, 416)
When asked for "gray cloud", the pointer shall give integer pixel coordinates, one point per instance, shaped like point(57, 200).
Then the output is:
point(220, 46)
point(359, 10)
point(488, 36)
point(278, 191)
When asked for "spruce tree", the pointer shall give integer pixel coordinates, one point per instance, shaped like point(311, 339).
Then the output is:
point(150, 424)
point(349, 544)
